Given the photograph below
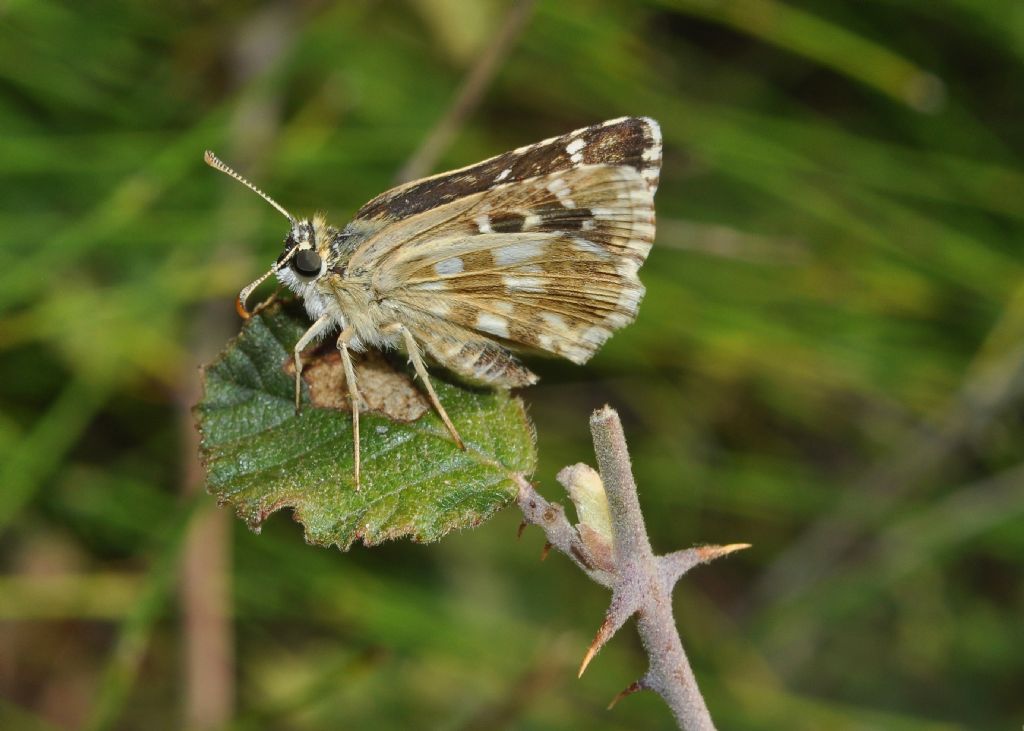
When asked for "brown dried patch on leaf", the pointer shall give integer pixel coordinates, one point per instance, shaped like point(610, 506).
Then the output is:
point(384, 389)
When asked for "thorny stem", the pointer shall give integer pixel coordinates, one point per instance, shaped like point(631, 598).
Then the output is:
point(631, 543)
point(641, 582)
point(670, 674)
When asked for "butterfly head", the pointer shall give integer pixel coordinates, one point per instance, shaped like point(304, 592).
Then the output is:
point(307, 254)
point(307, 257)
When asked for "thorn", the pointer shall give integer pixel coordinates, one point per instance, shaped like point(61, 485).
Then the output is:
point(635, 687)
point(710, 553)
point(617, 615)
point(591, 651)
point(604, 633)
point(519, 531)
point(545, 551)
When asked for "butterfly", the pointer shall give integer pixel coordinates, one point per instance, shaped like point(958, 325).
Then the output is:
point(534, 250)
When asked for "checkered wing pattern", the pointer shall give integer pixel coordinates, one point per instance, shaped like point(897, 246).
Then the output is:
point(534, 250)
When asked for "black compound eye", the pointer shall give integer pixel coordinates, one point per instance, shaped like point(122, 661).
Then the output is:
point(306, 263)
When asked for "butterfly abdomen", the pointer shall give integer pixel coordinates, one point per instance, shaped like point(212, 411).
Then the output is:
point(474, 359)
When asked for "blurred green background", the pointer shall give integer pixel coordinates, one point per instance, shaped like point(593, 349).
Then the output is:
point(829, 362)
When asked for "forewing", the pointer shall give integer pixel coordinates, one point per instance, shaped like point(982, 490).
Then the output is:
point(633, 142)
point(535, 249)
point(547, 264)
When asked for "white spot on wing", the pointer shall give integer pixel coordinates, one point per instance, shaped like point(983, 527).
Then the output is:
point(619, 319)
point(502, 175)
point(629, 298)
point(554, 321)
point(654, 129)
point(576, 353)
point(525, 148)
point(557, 186)
point(588, 247)
point(642, 196)
point(626, 268)
point(524, 284)
point(575, 150)
point(561, 191)
point(517, 253)
point(492, 324)
point(449, 266)
point(596, 335)
point(483, 223)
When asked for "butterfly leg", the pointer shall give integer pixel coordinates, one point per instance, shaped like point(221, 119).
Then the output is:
point(353, 394)
point(417, 361)
point(315, 330)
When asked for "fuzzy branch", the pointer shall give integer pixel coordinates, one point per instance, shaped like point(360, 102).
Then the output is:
point(610, 545)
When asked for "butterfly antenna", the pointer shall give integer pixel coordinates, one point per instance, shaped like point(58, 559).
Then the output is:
point(218, 164)
point(241, 304)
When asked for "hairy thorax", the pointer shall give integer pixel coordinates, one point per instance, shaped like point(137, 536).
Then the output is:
point(350, 301)
point(362, 308)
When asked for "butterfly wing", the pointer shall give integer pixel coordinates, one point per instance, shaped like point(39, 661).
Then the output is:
point(630, 141)
point(544, 259)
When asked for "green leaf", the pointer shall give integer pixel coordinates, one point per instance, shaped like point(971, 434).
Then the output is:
point(261, 456)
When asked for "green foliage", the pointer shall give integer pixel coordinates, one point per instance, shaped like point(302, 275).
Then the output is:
point(261, 456)
point(834, 315)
